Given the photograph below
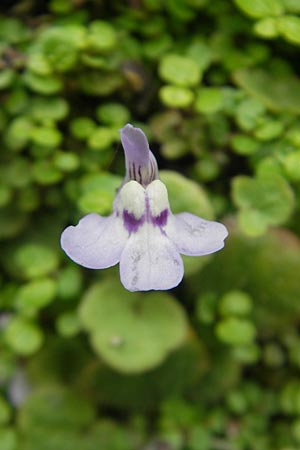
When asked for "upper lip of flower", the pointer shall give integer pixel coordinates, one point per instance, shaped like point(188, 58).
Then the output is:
point(141, 164)
point(141, 233)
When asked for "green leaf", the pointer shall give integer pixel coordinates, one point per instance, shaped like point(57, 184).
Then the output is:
point(101, 37)
point(23, 336)
point(59, 49)
point(46, 136)
point(235, 303)
point(179, 70)
point(98, 193)
point(45, 172)
point(266, 28)
point(252, 222)
point(8, 439)
point(35, 260)
point(291, 166)
point(279, 93)
point(35, 295)
point(54, 407)
point(66, 161)
point(208, 100)
point(100, 84)
point(82, 127)
point(18, 133)
point(244, 145)
point(6, 78)
point(289, 28)
point(176, 96)
point(69, 282)
point(38, 63)
point(266, 200)
point(132, 332)
point(249, 112)
point(45, 85)
point(68, 324)
point(101, 138)
point(260, 8)
point(235, 331)
point(113, 114)
point(269, 129)
point(200, 53)
point(52, 108)
point(186, 195)
point(292, 6)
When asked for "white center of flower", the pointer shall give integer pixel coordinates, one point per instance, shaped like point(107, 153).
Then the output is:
point(158, 198)
point(132, 199)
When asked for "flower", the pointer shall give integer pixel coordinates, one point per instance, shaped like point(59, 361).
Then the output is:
point(141, 234)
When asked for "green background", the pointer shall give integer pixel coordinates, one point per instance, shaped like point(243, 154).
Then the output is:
point(213, 364)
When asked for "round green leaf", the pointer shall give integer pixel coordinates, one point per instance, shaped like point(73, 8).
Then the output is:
point(252, 222)
point(23, 336)
point(289, 28)
point(291, 166)
point(66, 161)
point(269, 129)
point(260, 8)
point(176, 96)
point(33, 296)
point(113, 114)
point(208, 100)
point(280, 93)
point(54, 407)
point(244, 145)
point(46, 136)
point(101, 36)
point(235, 331)
point(266, 28)
point(45, 85)
point(69, 282)
point(68, 324)
point(98, 192)
point(59, 49)
point(270, 196)
point(98, 200)
point(8, 439)
point(18, 133)
point(38, 63)
point(6, 78)
point(35, 260)
point(186, 195)
point(237, 303)
point(179, 70)
point(101, 138)
point(132, 332)
point(52, 108)
point(82, 127)
point(45, 172)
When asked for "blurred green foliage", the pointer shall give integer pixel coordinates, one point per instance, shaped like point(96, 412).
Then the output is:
point(214, 364)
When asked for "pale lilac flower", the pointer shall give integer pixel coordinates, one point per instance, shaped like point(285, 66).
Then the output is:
point(141, 234)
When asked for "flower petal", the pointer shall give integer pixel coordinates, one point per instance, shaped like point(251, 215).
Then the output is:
point(195, 236)
point(141, 164)
point(150, 261)
point(96, 242)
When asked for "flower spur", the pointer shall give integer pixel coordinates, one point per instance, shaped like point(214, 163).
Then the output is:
point(141, 234)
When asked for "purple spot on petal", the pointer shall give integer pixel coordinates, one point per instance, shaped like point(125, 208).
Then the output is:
point(131, 223)
point(162, 219)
